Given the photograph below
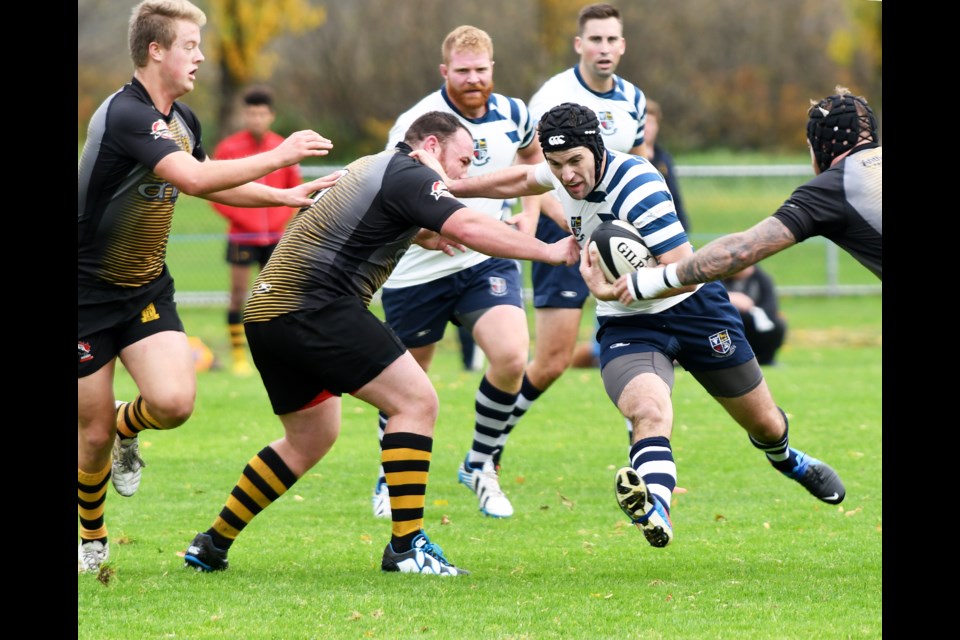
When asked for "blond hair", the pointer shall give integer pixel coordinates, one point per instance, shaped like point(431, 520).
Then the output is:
point(466, 38)
point(153, 21)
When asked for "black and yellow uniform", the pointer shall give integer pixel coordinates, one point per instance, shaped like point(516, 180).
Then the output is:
point(306, 320)
point(124, 215)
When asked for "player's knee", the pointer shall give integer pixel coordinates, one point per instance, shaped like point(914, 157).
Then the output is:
point(648, 416)
point(509, 367)
point(424, 405)
point(98, 435)
point(173, 408)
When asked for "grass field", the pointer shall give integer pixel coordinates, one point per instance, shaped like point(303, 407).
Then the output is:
point(754, 556)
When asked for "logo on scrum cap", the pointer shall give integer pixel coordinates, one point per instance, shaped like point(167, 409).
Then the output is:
point(556, 140)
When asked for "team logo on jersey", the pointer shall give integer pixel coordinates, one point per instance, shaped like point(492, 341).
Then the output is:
point(498, 287)
point(608, 125)
point(481, 152)
point(721, 344)
point(439, 190)
point(576, 226)
point(84, 351)
point(159, 129)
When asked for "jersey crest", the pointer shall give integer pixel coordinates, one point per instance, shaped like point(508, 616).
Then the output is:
point(576, 226)
point(608, 126)
point(481, 152)
point(721, 343)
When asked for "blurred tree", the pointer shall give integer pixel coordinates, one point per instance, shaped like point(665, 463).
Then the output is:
point(243, 30)
point(736, 74)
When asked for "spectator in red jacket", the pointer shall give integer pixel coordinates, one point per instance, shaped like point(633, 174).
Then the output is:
point(253, 232)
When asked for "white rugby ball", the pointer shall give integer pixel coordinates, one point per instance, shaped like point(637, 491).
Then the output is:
point(620, 248)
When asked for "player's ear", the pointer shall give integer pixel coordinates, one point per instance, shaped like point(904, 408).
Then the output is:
point(432, 145)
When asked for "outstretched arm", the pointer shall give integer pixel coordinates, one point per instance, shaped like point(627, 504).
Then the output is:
point(197, 178)
point(255, 194)
point(511, 182)
point(714, 261)
point(491, 237)
point(731, 253)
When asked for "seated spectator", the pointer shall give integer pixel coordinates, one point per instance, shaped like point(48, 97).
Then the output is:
point(753, 294)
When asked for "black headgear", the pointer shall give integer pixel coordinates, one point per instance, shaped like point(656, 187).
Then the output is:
point(571, 125)
point(835, 127)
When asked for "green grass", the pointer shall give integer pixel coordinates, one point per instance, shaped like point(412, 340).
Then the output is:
point(754, 556)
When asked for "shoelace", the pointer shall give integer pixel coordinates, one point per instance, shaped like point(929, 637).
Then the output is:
point(129, 456)
point(93, 557)
point(435, 551)
point(492, 482)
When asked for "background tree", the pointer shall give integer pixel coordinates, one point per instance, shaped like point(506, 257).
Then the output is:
point(736, 74)
point(243, 29)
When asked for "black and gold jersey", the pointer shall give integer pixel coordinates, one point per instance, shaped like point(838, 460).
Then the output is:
point(350, 239)
point(124, 210)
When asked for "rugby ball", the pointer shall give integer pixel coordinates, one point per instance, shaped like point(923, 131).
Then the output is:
point(621, 249)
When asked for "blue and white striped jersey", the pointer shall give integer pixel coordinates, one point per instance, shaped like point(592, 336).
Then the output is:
point(497, 136)
point(622, 111)
point(630, 189)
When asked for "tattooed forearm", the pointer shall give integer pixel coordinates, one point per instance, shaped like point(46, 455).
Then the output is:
point(731, 253)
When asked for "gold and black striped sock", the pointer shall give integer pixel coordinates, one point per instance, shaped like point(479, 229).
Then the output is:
point(133, 417)
point(238, 339)
point(406, 463)
point(91, 495)
point(265, 478)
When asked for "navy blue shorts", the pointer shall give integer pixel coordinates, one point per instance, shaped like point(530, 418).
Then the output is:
point(702, 333)
point(556, 287)
point(419, 314)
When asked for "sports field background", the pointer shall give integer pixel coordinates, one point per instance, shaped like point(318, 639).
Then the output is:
point(754, 556)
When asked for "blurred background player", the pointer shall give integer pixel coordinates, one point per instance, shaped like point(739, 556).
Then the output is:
point(662, 159)
point(429, 289)
point(254, 232)
point(754, 295)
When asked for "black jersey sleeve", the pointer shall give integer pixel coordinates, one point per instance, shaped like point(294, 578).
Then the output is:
point(140, 133)
point(814, 208)
point(417, 194)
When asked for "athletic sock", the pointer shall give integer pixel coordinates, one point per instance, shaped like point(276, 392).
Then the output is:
point(265, 478)
point(779, 453)
point(406, 460)
point(494, 409)
point(652, 458)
